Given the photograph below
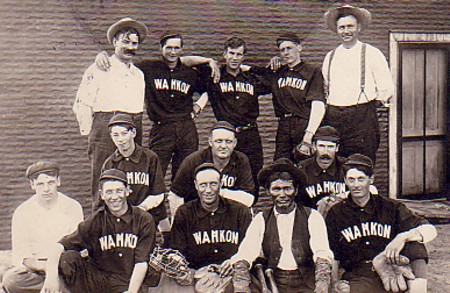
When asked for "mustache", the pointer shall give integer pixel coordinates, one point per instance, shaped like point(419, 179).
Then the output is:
point(326, 157)
point(131, 52)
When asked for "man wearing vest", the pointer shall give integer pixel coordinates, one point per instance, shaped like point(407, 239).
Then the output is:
point(293, 238)
point(357, 80)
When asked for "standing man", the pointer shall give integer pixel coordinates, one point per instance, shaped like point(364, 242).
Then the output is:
point(365, 225)
point(102, 94)
point(298, 98)
point(358, 81)
point(37, 223)
point(119, 238)
point(208, 230)
point(324, 173)
point(293, 238)
point(235, 100)
point(237, 183)
point(144, 174)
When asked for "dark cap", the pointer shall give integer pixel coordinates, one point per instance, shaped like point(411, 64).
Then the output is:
point(288, 37)
point(223, 125)
point(41, 167)
point(206, 166)
point(169, 35)
point(359, 161)
point(327, 133)
point(121, 119)
point(114, 174)
point(281, 165)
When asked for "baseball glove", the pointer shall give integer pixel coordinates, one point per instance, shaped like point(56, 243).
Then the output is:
point(169, 261)
point(208, 280)
point(393, 275)
point(303, 151)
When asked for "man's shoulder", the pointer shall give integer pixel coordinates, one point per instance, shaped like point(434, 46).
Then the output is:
point(26, 206)
point(240, 157)
point(305, 164)
point(149, 153)
point(234, 206)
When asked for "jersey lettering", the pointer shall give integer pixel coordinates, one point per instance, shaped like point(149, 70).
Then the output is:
point(216, 236)
point(293, 82)
point(175, 85)
point(228, 181)
point(241, 87)
point(108, 242)
point(138, 178)
point(326, 187)
point(367, 229)
point(161, 84)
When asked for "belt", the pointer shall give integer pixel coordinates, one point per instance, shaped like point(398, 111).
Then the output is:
point(244, 127)
point(112, 113)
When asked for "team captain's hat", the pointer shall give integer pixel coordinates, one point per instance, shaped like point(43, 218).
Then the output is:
point(121, 119)
point(281, 165)
point(292, 37)
point(333, 14)
point(327, 133)
point(41, 167)
point(127, 23)
point(114, 174)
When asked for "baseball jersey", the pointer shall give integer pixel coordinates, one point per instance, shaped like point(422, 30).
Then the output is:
point(320, 183)
point(234, 98)
point(115, 244)
point(209, 237)
point(169, 92)
point(236, 175)
point(294, 88)
point(358, 234)
point(144, 173)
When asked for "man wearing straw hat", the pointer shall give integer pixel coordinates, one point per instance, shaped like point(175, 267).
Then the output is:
point(101, 94)
point(357, 81)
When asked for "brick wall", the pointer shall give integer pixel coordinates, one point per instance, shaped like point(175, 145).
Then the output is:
point(46, 45)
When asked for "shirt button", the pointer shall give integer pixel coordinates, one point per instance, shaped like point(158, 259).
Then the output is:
point(120, 254)
point(212, 214)
point(216, 251)
point(127, 159)
point(172, 95)
point(118, 220)
point(367, 242)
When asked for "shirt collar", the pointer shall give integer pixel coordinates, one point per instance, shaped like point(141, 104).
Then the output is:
point(277, 213)
point(130, 66)
point(296, 68)
point(135, 156)
point(223, 207)
point(125, 217)
point(208, 157)
point(332, 169)
point(369, 208)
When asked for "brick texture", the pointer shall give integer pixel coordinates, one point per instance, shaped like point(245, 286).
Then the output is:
point(46, 45)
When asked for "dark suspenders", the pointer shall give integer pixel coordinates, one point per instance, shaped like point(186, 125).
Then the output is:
point(363, 74)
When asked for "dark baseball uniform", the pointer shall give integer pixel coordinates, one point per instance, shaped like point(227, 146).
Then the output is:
point(235, 99)
point(144, 177)
point(358, 234)
point(235, 176)
point(168, 96)
point(209, 237)
point(320, 183)
point(115, 245)
point(293, 91)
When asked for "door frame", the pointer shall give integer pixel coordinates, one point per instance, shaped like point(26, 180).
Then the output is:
point(396, 38)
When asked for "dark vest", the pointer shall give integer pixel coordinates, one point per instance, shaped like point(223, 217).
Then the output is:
point(300, 238)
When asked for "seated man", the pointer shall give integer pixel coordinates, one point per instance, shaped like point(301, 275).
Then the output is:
point(365, 225)
point(208, 230)
point(293, 238)
point(237, 182)
point(119, 239)
point(144, 173)
point(37, 223)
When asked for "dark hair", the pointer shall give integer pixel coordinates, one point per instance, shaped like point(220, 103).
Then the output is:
point(234, 43)
point(126, 125)
point(127, 31)
point(164, 38)
point(52, 173)
point(280, 175)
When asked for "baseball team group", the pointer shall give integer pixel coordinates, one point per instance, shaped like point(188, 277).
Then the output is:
point(327, 230)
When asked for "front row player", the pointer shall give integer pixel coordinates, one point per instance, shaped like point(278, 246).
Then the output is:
point(366, 224)
point(119, 239)
point(293, 238)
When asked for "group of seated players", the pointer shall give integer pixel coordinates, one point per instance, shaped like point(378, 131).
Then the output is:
point(327, 228)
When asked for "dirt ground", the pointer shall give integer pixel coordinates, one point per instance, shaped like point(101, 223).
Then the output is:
point(439, 265)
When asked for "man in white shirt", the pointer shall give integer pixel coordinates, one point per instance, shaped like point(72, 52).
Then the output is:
point(102, 94)
point(357, 81)
point(292, 238)
point(37, 223)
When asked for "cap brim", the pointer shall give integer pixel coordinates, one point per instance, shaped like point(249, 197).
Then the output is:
point(363, 15)
point(137, 25)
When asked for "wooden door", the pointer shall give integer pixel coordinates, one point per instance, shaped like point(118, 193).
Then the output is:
point(424, 114)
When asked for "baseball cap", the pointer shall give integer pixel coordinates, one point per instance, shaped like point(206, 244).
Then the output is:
point(223, 125)
point(41, 167)
point(206, 166)
point(114, 174)
point(125, 23)
point(169, 35)
point(328, 133)
point(359, 161)
point(288, 37)
point(120, 119)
